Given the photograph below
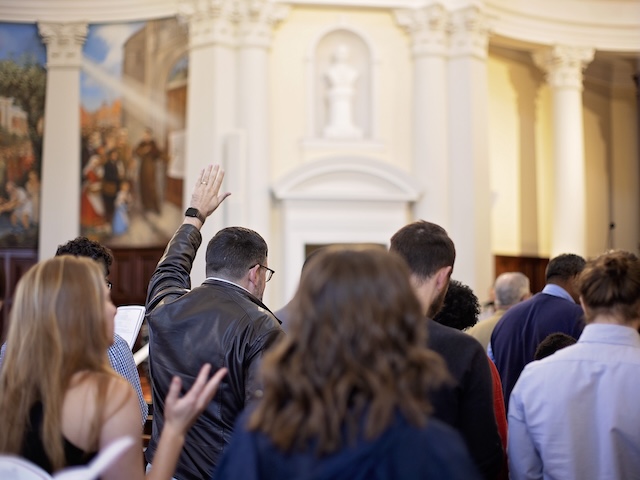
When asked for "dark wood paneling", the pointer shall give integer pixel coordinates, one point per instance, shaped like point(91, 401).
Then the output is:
point(131, 272)
point(14, 262)
point(532, 267)
point(130, 275)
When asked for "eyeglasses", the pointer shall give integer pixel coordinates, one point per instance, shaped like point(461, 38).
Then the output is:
point(109, 285)
point(269, 272)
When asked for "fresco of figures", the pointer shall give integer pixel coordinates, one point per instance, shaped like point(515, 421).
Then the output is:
point(22, 92)
point(133, 104)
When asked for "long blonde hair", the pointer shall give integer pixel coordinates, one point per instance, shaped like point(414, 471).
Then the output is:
point(57, 329)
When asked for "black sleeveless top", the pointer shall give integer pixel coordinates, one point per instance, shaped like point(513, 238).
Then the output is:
point(33, 447)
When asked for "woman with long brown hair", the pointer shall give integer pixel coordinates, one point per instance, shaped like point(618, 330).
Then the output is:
point(60, 400)
point(346, 393)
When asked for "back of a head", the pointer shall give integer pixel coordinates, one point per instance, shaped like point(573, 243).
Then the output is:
point(83, 247)
point(58, 309)
point(425, 246)
point(510, 288)
point(357, 337)
point(233, 251)
point(564, 267)
point(461, 307)
point(353, 295)
point(610, 284)
point(552, 343)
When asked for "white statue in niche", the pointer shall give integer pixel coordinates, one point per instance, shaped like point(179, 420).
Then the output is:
point(341, 77)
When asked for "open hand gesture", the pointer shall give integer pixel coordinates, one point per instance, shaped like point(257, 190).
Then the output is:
point(182, 412)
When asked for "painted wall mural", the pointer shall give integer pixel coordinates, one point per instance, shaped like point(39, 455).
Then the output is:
point(133, 109)
point(22, 92)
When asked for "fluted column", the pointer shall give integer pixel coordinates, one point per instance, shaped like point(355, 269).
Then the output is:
point(211, 107)
point(60, 196)
point(563, 66)
point(258, 19)
point(427, 28)
point(469, 148)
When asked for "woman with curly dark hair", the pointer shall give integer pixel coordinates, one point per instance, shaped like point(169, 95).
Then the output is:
point(346, 393)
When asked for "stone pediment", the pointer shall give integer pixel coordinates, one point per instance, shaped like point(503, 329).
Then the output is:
point(347, 178)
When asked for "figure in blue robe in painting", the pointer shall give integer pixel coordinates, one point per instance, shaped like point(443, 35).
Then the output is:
point(122, 203)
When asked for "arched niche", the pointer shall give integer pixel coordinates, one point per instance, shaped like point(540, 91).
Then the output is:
point(361, 58)
point(340, 200)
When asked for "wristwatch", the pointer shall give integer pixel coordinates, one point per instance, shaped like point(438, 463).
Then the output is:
point(194, 212)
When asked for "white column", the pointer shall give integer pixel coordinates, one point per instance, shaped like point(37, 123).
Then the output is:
point(255, 34)
point(211, 94)
point(469, 149)
point(428, 30)
point(563, 66)
point(60, 196)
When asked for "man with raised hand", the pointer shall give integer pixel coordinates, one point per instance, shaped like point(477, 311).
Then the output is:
point(222, 322)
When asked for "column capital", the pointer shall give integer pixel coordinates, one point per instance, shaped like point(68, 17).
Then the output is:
point(469, 32)
point(257, 21)
point(563, 65)
point(210, 21)
point(427, 27)
point(64, 43)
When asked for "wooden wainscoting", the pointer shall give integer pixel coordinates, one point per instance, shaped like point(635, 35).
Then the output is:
point(130, 275)
point(532, 267)
point(131, 272)
point(14, 262)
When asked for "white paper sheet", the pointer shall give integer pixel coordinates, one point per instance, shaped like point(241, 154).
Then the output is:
point(128, 322)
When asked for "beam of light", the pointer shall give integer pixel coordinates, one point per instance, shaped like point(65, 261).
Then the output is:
point(136, 103)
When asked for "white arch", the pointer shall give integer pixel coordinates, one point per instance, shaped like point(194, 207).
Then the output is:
point(340, 200)
point(345, 179)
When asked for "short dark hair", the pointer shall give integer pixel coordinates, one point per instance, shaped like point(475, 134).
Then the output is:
point(425, 246)
point(565, 266)
point(552, 343)
point(233, 251)
point(83, 247)
point(461, 307)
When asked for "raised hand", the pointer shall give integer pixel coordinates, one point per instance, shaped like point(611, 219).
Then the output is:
point(182, 412)
point(206, 196)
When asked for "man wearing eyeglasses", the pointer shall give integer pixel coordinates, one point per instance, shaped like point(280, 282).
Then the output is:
point(222, 322)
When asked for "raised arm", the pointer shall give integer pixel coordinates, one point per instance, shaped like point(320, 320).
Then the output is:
point(171, 277)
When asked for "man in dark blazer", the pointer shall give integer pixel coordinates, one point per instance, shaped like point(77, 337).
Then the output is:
point(521, 329)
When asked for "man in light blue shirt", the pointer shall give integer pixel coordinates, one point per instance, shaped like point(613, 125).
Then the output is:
point(575, 414)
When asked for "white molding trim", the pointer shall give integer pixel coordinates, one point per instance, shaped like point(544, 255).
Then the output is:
point(339, 200)
point(368, 180)
point(608, 25)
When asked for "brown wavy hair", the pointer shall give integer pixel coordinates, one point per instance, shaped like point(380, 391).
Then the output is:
point(610, 285)
point(57, 329)
point(355, 355)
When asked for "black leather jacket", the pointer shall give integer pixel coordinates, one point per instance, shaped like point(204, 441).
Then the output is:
point(217, 322)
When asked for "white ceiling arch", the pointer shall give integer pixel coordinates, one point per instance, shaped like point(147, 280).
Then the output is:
point(607, 25)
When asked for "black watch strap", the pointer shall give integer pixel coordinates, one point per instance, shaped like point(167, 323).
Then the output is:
point(194, 212)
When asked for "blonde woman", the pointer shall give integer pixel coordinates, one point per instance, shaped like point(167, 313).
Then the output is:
point(60, 400)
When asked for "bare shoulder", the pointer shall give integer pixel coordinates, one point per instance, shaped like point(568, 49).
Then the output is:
point(82, 402)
